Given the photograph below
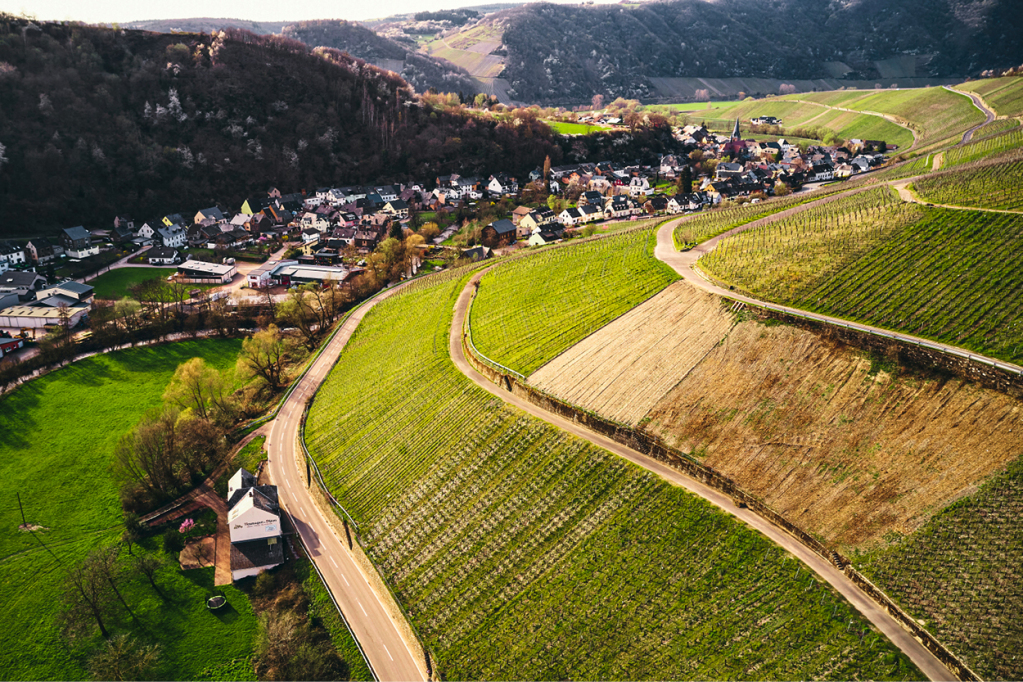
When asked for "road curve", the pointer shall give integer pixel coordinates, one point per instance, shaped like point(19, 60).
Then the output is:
point(389, 654)
point(923, 658)
point(684, 263)
point(979, 103)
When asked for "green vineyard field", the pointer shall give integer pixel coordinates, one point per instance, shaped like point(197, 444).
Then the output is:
point(989, 186)
point(530, 310)
point(983, 149)
point(522, 552)
point(952, 276)
point(704, 226)
point(778, 259)
point(960, 574)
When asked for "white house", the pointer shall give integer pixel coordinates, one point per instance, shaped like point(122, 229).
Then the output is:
point(11, 253)
point(570, 217)
point(315, 221)
point(640, 185)
point(174, 237)
point(254, 520)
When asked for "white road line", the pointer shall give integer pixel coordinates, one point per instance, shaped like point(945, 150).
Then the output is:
point(288, 482)
point(363, 608)
point(388, 651)
point(333, 562)
point(344, 578)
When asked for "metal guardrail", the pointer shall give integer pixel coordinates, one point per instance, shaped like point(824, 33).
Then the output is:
point(334, 601)
point(319, 477)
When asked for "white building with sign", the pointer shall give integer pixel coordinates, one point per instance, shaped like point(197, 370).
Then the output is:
point(254, 519)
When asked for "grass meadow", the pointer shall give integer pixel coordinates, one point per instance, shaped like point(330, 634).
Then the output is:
point(57, 435)
point(114, 284)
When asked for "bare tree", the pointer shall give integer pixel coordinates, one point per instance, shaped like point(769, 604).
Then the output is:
point(124, 658)
point(148, 565)
point(86, 599)
point(107, 566)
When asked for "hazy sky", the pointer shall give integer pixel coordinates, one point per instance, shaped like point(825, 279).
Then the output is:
point(107, 11)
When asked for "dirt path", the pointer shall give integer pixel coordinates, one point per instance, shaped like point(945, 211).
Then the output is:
point(939, 158)
point(887, 117)
point(926, 661)
point(979, 103)
point(908, 195)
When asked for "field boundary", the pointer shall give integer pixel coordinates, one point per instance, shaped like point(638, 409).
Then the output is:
point(655, 448)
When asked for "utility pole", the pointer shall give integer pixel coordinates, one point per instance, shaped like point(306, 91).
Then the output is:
point(22, 509)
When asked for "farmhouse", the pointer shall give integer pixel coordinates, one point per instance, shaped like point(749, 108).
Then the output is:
point(499, 233)
point(254, 517)
point(206, 273)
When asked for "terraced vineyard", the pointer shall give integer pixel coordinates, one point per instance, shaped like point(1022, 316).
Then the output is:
point(522, 552)
point(997, 126)
point(779, 259)
point(954, 276)
point(532, 309)
point(961, 574)
point(700, 228)
point(988, 186)
point(1004, 95)
point(983, 149)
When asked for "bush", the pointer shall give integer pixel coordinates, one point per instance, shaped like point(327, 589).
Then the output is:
point(173, 541)
point(264, 585)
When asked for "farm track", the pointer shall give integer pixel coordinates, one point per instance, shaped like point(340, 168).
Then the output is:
point(685, 264)
point(980, 104)
point(887, 117)
point(920, 656)
point(908, 195)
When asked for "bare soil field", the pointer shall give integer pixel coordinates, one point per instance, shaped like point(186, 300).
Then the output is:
point(844, 446)
point(671, 331)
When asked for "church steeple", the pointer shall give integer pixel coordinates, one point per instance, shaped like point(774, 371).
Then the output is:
point(736, 135)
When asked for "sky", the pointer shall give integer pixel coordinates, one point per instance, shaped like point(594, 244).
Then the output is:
point(109, 11)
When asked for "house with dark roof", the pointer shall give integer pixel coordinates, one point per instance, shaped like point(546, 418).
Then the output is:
point(77, 242)
point(499, 233)
point(477, 253)
point(254, 520)
point(163, 255)
point(42, 251)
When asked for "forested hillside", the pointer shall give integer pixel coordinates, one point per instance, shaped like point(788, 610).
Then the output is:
point(95, 122)
point(568, 53)
point(421, 72)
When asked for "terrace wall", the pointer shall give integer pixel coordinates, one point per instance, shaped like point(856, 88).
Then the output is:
point(652, 446)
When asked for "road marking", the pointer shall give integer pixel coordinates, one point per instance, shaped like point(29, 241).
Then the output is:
point(288, 482)
point(363, 608)
point(344, 578)
point(333, 562)
point(388, 652)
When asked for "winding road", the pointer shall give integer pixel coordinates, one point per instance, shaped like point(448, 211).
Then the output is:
point(923, 658)
point(376, 620)
point(370, 615)
point(979, 103)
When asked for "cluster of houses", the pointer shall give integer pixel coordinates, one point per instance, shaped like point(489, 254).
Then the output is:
point(27, 302)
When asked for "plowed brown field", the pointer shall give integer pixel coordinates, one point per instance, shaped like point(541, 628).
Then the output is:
point(623, 369)
point(847, 453)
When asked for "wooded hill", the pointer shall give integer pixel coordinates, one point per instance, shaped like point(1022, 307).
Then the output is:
point(421, 71)
point(566, 54)
point(96, 122)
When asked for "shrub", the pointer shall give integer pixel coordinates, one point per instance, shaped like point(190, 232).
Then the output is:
point(173, 541)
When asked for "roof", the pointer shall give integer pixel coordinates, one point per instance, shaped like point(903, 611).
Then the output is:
point(77, 232)
point(57, 300)
point(17, 280)
point(213, 212)
point(43, 312)
point(476, 253)
point(256, 553)
point(503, 226)
point(205, 268)
point(75, 287)
point(162, 252)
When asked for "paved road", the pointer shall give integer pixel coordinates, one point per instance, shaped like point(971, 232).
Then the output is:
point(684, 262)
point(370, 620)
point(923, 658)
point(979, 103)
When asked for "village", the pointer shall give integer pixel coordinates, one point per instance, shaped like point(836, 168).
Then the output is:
point(288, 239)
